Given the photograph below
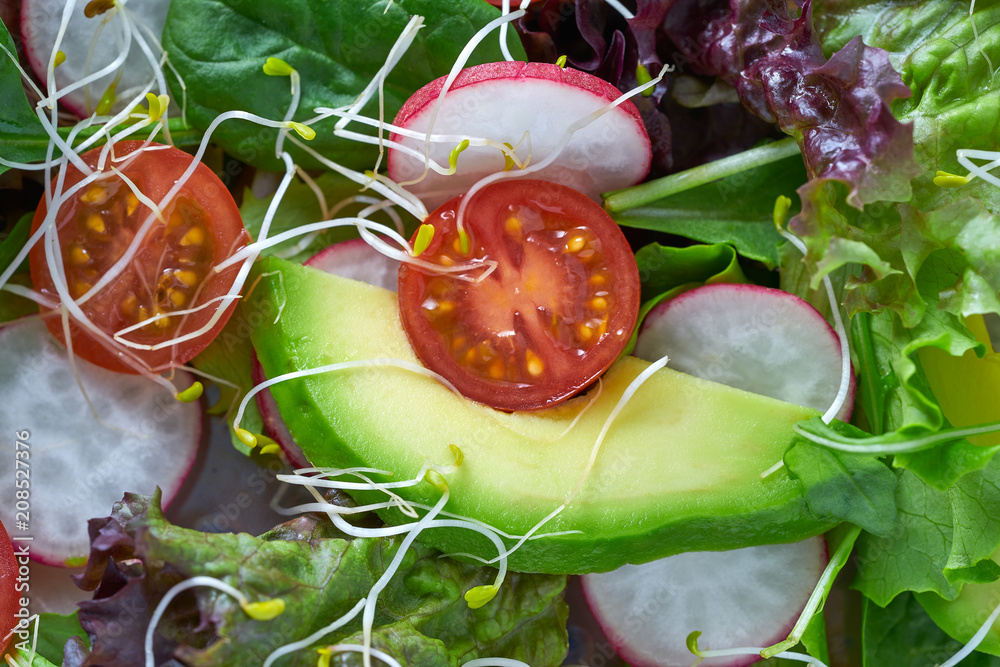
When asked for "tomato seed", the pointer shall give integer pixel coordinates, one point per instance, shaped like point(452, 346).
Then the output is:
point(95, 223)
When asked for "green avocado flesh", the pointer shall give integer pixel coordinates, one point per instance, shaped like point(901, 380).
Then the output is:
point(962, 617)
point(679, 469)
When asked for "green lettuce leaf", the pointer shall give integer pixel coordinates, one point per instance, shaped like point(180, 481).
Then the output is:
point(954, 105)
point(848, 487)
point(941, 539)
point(903, 634)
point(896, 396)
point(421, 618)
point(219, 49)
point(665, 272)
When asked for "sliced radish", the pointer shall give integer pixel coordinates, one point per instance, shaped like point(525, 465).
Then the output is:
point(755, 338)
point(502, 101)
point(357, 260)
point(743, 598)
point(353, 259)
point(79, 466)
point(90, 44)
point(274, 425)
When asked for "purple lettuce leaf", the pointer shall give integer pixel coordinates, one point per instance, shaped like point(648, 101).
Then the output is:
point(598, 40)
point(422, 616)
point(838, 109)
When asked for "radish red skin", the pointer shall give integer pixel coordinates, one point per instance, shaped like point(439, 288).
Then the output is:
point(500, 113)
point(813, 549)
point(274, 425)
point(353, 259)
point(517, 70)
point(349, 259)
point(55, 546)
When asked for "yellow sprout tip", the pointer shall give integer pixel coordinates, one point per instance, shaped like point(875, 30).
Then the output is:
point(436, 479)
point(192, 393)
point(561, 62)
point(480, 595)
point(75, 561)
point(60, 59)
point(459, 456)
point(692, 642)
point(264, 610)
point(107, 101)
point(277, 67)
point(157, 105)
point(508, 160)
point(246, 437)
point(944, 179)
point(270, 449)
point(455, 152)
point(642, 77)
point(324, 657)
point(781, 206)
point(425, 234)
point(302, 130)
point(464, 242)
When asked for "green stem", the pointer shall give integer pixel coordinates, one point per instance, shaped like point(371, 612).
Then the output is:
point(818, 597)
point(871, 387)
point(639, 195)
point(181, 134)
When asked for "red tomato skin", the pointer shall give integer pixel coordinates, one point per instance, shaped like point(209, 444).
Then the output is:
point(157, 170)
point(572, 374)
point(10, 598)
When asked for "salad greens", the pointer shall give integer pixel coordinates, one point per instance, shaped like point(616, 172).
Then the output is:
point(879, 95)
point(320, 574)
point(337, 48)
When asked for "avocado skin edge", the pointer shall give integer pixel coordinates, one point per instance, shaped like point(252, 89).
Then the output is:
point(776, 516)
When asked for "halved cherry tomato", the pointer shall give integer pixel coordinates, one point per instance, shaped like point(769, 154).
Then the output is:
point(10, 602)
point(554, 314)
point(172, 270)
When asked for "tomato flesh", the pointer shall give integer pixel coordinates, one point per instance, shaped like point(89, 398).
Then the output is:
point(553, 315)
point(172, 270)
point(9, 598)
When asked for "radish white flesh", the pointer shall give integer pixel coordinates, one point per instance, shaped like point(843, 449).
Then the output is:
point(353, 259)
point(357, 260)
point(79, 467)
point(755, 338)
point(40, 20)
point(502, 101)
point(746, 597)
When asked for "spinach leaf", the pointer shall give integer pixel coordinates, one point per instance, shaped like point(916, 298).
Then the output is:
point(220, 47)
point(11, 305)
point(54, 631)
point(230, 358)
point(21, 132)
point(735, 210)
point(299, 207)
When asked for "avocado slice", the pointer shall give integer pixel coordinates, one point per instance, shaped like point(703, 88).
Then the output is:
point(962, 617)
point(678, 471)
